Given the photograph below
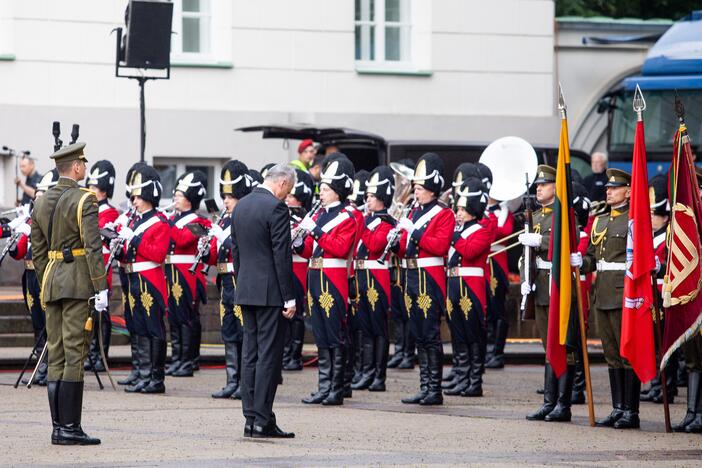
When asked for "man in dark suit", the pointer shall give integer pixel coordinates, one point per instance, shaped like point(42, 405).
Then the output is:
point(263, 268)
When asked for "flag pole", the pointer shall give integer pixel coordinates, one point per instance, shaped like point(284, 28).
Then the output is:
point(579, 298)
point(659, 340)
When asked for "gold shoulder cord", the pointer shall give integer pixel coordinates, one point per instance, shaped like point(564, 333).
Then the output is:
point(595, 236)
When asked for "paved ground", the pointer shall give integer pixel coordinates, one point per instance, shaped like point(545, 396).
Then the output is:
point(187, 427)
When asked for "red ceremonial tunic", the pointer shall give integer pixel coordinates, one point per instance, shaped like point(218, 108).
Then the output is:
point(501, 228)
point(183, 249)
point(469, 250)
point(106, 214)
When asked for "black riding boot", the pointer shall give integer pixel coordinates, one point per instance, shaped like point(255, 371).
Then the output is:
point(693, 394)
point(70, 407)
point(196, 341)
point(144, 345)
point(297, 334)
point(497, 361)
point(578, 395)
point(693, 388)
point(671, 369)
point(382, 348)
point(336, 395)
point(368, 367)
point(410, 357)
point(462, 379)
point(423, 379)
point(616, 386)
point(681, 379)
point(550, 395)
point(134, 372)
point(231, 366)
point(52, 389)
point(399, 350)
point(476, 370)
point(187, 336)
point(561, 413)
point(106, 331)
point(434, 395)
point(449, 380)
point(632, 389)
point(176, 349)
point(324, 374)
point(158, 367)
point(43, 368)
point(355, 358)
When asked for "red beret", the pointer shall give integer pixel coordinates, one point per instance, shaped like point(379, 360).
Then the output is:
point(304, 144)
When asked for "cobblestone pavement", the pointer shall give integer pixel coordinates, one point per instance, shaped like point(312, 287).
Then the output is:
point(187, 427)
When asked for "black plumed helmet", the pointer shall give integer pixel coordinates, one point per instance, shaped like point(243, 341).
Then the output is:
point(48, 180)
point(130, 174)
point(485, 175)
point(338, 174)
point(472, 197)
point(303, 189)
point(464, 171)
point(658, 195)
point(234, 179)
point(359, 187)
point(381, 184)
point(146, 184)
point(581, 203)
point(265, 169)
point(102, 176)
point(256, 178)
point(429, 173)
point(193, 187)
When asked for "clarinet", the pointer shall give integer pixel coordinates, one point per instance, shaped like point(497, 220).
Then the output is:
point(204, 247)
point(301, 233)
point(119, 242)
point(395, 233)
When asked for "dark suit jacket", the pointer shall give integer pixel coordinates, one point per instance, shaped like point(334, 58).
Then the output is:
point(261, 250)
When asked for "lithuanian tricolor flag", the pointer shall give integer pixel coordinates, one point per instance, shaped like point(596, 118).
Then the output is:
point(562, 328)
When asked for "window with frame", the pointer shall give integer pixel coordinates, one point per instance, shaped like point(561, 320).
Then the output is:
point(383, 31)
point(192, 25)
point(170, 168)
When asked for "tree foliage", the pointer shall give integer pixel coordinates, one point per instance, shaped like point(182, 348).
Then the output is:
point(645, 9)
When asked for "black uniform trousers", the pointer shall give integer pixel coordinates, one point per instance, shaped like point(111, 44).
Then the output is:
point(264, 336)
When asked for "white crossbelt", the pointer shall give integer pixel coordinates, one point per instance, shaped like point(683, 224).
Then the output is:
point(610, 266)
point(297, 259)
point(137, 267)
point(543, 264)
point(426, 262)
point(466, 271)
point(105, 250)
point(189, 259)
point(369, 265)
point(318, 263)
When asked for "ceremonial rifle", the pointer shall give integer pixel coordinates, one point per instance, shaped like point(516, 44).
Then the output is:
point(528, 307)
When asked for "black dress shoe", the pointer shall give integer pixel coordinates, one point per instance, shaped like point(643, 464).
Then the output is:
point(273, 432)
point(248, 430)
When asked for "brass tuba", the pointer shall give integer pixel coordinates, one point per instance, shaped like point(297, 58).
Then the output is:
point(509, 158)
point(403, 189)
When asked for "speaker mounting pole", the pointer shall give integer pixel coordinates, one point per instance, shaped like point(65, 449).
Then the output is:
point(142, 116)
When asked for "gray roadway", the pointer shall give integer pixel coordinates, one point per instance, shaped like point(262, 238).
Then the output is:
point(187, 427)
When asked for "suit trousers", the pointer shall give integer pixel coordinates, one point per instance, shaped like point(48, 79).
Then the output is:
point(264, 337)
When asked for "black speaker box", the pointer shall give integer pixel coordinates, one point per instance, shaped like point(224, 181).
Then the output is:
point(149, 34)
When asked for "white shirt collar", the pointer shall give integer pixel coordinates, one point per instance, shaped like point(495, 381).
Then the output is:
point(264, 186)
point(332, 205)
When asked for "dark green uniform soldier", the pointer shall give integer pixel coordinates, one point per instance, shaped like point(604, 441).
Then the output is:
point(69, 264)
point(607, 255)
point(557, 392)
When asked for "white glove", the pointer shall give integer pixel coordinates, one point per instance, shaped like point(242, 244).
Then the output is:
point(405, 224)
point(307, 224)
point(392, 237)
point(26, 229)
point(530, 239)
point(525, 288)
point(101, 301)
point(202, 244)
point(576, 259)
point(16, 222)
point(504, 212)
point(658, 265)
point(218, 233)
point(126, 233)
point(121, 220)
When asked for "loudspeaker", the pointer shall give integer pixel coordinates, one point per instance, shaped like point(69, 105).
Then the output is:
point(148, 42)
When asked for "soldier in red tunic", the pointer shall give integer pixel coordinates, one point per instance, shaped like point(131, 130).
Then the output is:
point(186, 290)
point(101, 180)
point(144, 250)
point(425, 241)
point(329, 244)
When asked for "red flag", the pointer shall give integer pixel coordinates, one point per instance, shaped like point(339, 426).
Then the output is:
point(637, 344)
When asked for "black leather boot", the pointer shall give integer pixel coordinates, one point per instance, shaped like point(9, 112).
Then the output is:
point(134, 372)
point(578, 395)
point(382, 348)
point(158, 367)
point(399, 350)
point(462, 368)
point(187, 336)
point(92, 355)
point(451, 375)
point(231, 363)
point(693, 389)
point(355, 358)
point(561, 413)
point(196, 342)
point(176, 349)
point(681, 379)
point(106, 331)
point(43, 368)
point(144, 345)
point(632, 389)
point(336, 395)
point(52, 389)
point(410, 357)
point(550, 395)
point(368, 364)
point(70, 408)
point(423, 379)
point(434, 395)
point(671, 370)
point(693, 394)
point(497, 361)
point(616, 386)
point(475, 372)
point(324, 371)
point(653, 391)
point(297, 332)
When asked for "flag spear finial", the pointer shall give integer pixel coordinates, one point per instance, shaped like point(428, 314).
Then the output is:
point(561, 102)
point(639, 103)
point(679, 108)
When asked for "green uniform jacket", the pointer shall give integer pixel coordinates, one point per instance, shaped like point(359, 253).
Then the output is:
point(608, 243)
point(542, 221)
point(76, 227)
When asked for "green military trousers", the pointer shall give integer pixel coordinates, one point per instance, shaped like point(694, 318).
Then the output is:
point(609, 325)
point(67, 338)
point(541, 317)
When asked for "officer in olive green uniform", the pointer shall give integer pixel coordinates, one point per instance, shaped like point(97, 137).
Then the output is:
point(607, 255)
point(68, 259)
